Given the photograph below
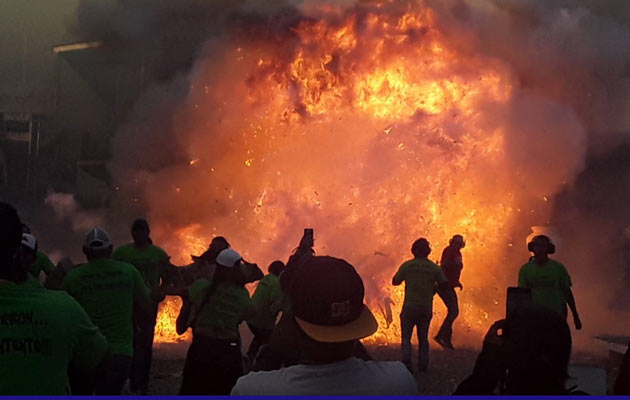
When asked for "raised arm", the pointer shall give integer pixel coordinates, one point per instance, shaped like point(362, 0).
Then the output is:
point(399, 277)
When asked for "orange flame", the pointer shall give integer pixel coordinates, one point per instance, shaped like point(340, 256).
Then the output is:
point(374, 131)
point(169, 309)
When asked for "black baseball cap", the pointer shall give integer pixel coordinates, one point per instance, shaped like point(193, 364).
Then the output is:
point(327, 300)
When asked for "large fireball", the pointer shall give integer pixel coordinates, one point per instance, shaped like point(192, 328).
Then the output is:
point(367, 125)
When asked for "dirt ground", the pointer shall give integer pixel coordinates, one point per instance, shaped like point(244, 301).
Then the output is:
point(447, 368)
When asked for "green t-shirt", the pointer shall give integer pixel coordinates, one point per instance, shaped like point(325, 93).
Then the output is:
point(146, 260)
point(41, 332)
point(107, 290)
point(266, 298)
point(31, 282)
point(228, 306)
point(42, 263)
point(548, 283)
point(420, 276)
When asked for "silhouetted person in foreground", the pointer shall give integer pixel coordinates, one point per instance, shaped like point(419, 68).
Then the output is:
point(452, 265)
point(548, 279)
point(113, 294)
point(48, 331)
point(329, 319)
point(421, 277)
point(151, 261)
point(267, 298)
point(214, 307)
point(526, 354)
point(282, 349)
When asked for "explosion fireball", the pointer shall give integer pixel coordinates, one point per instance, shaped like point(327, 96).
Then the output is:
point(369, 125)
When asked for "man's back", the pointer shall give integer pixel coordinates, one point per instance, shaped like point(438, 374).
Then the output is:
point(548, 283)
point(221, 314)
point(420, 276)
point(451, 263)
point(266, 298)
point(42, 331)
point(107, 290)
point(146, 260)
point(348, 377)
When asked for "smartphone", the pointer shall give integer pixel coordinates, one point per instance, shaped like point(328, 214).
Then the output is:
point(516, 296)
point(308, 232)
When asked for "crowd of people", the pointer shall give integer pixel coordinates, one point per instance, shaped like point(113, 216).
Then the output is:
point(91, 328)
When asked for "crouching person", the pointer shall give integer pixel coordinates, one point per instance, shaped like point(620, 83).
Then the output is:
point(329, 316)
point(214, 307)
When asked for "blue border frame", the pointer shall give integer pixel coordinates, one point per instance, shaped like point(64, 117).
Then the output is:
point(301, 397)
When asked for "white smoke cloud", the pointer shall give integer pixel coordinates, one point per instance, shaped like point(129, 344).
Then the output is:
point(66, 208)
point(573, 51)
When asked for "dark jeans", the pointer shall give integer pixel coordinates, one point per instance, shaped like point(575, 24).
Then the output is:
point(143, 332)
point(411, 317)
point(262, 336)
point(212, 366)
point(452, 306)
point(108, 379)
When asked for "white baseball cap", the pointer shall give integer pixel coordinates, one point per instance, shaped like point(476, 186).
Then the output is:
point(29, 241)
point(97, 239)
point(228, 258)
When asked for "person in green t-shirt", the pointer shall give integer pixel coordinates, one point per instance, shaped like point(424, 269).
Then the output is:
point(548, 279)
point(43, 332)
point(422, 277)
point(267, 298)
point(152, 262)
point(111, 292)
point(214, 308)
point(41, 262)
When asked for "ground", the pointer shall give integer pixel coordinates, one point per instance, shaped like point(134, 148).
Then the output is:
point(447, 368)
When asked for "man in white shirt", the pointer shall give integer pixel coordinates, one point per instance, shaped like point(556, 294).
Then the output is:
point(327, 298)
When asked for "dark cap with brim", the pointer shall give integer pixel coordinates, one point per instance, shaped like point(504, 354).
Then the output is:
point(360, 328)
point(327, 300)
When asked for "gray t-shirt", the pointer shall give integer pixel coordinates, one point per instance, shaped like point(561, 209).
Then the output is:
point(348, 377)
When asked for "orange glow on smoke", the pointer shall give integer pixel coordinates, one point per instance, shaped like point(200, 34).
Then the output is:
point(373, 130)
